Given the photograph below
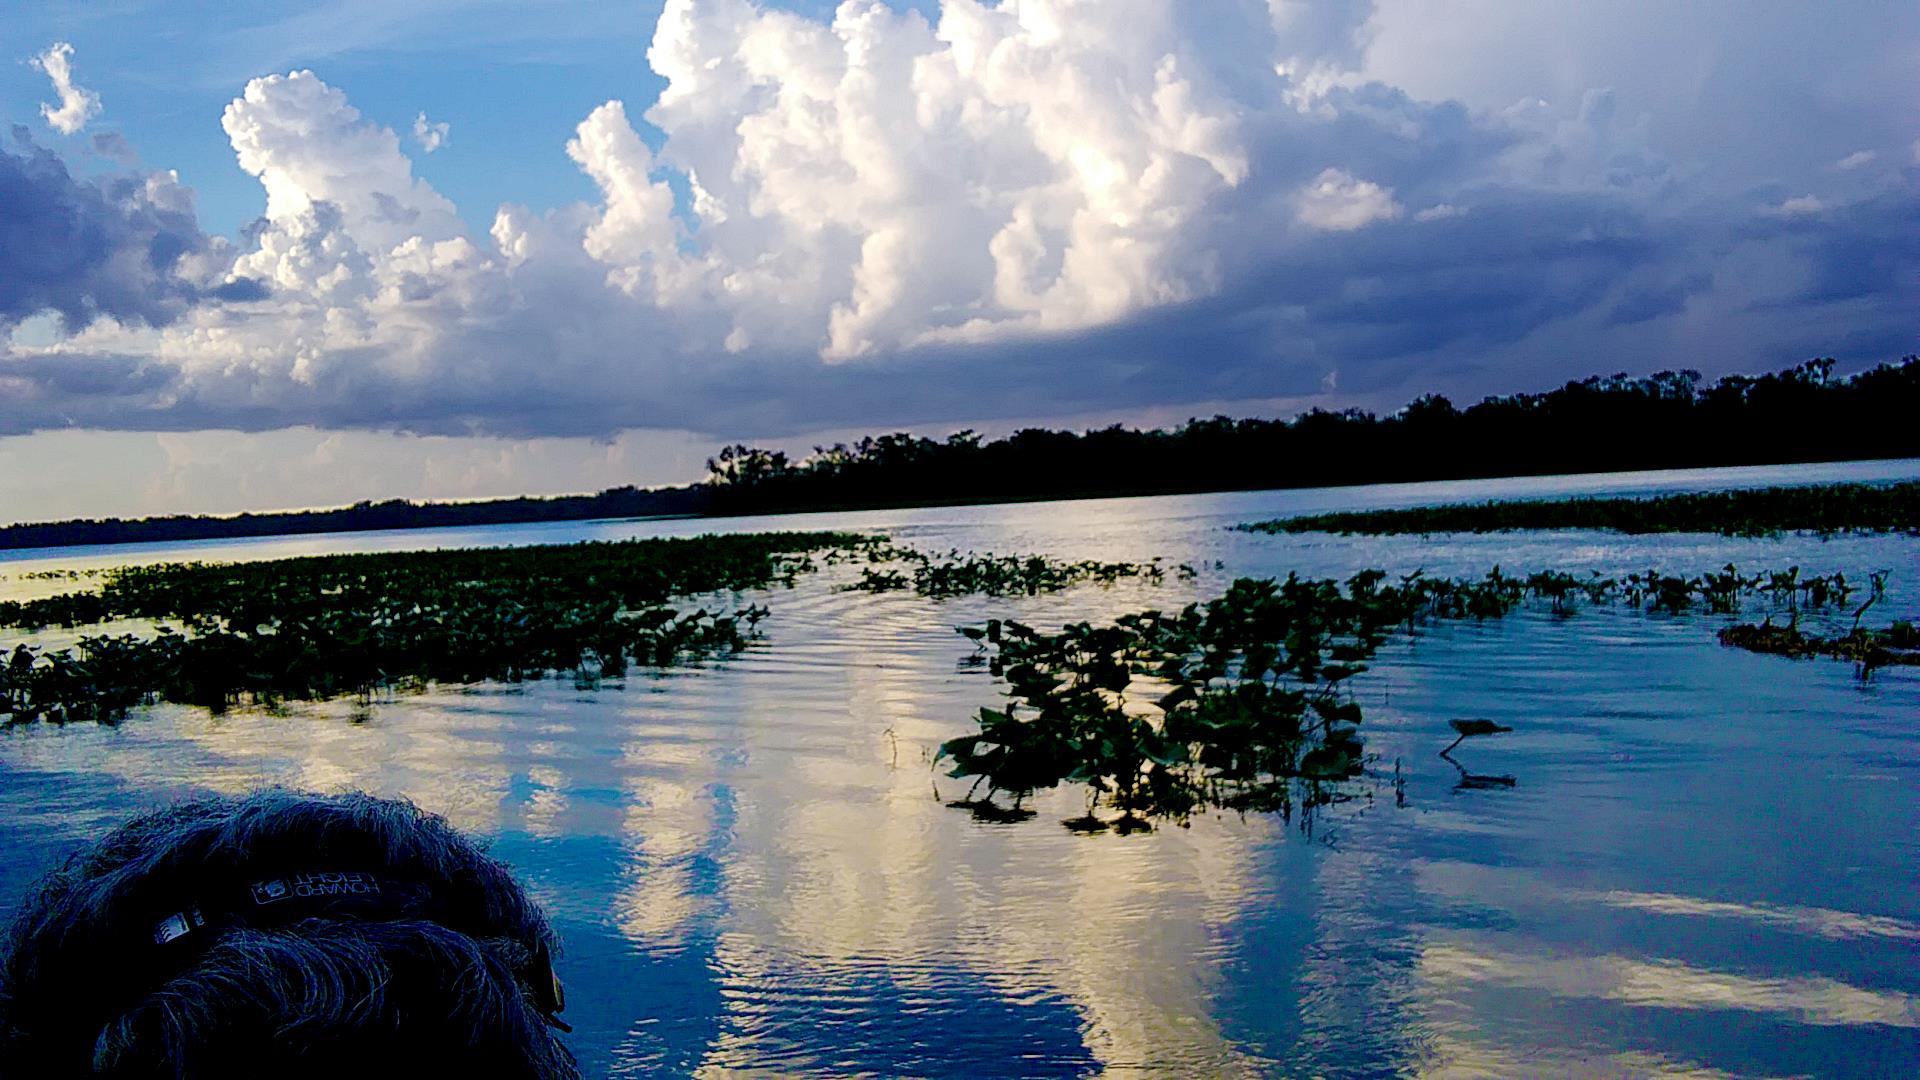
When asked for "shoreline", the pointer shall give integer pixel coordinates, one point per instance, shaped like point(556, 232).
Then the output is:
point(10, 551)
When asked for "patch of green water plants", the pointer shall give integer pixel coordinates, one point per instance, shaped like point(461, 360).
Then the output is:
point(1899, 644)
point(977, 574)
point(1867, 648)
point(1824, 508)
point(1236, 703)
point(1243, 702)
point(317, 627)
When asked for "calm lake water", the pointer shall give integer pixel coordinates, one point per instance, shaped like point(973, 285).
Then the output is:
point(1709, 864)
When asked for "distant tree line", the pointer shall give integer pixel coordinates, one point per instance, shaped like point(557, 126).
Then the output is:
point(1599, 424)
point(620, 502)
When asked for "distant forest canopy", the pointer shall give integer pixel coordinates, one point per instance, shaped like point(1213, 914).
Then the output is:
point(1599, 424)
point(620, 502)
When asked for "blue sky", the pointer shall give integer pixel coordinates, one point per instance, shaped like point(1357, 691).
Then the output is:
point(513, 78)
point(232, 276)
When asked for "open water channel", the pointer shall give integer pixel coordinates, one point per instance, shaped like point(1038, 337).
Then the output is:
point(1708, 865)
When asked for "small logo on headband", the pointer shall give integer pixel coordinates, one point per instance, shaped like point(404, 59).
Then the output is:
point(177, 925)
point(315, 885)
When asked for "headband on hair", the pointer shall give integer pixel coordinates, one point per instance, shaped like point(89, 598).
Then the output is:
point(289, 897)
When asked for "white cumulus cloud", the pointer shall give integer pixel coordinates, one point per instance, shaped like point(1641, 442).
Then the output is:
point(1012, 169)
point(77, 104)
point(636, 230)
point(430, 135)
point(1338, 202)
point(306, 144)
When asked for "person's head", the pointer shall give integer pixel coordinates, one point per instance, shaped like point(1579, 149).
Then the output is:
point(283, 935)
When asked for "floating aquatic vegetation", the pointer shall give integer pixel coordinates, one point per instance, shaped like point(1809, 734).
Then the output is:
point(1723, 591)
point(1242, 702)
point(1236, 703)
point(1897, 645)
point(1825, 509)
point(972, 573)
point(319, 627)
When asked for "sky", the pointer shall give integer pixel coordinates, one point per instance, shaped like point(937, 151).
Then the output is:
point(323, 252)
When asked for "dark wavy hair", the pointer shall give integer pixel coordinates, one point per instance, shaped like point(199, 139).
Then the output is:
point(286, 935)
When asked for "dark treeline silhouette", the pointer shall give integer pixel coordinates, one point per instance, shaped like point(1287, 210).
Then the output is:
point(1599, 424)
point(620, 502)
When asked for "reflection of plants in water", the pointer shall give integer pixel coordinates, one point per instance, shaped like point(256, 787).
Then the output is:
point(1242, 702)
point(955, 574)
point(349, 624)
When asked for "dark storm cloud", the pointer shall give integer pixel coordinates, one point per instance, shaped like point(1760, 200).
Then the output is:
point(1857, 251)
point(56, 391)
point(90, 247)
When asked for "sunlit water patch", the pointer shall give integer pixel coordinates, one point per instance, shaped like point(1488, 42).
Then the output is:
point(1705, 863)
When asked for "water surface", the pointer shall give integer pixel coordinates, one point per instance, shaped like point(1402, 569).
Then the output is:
point(1707, 865)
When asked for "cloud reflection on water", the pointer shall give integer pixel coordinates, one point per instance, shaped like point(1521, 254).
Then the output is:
point(1451, 961)
point(1111, 929)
